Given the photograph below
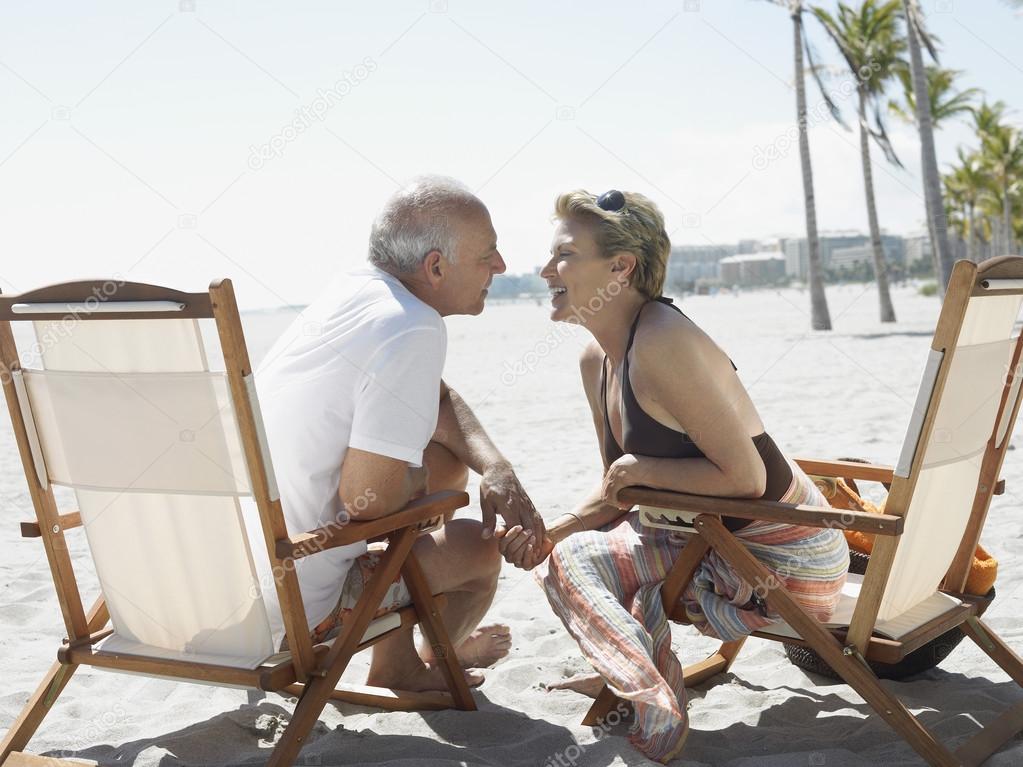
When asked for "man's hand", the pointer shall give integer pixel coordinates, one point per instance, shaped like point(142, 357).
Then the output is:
point(622, 473)
point(522, 549)
point(502, 493)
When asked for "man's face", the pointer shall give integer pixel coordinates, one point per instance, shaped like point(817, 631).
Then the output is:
point(476, 261)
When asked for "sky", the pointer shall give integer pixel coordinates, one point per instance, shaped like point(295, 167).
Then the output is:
point(179, 142)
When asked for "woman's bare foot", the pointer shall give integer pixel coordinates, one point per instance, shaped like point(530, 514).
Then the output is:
point(589, 685)
point(427, 678)
point(482, 648)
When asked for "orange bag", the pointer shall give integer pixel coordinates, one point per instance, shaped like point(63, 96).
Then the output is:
point(982, 573)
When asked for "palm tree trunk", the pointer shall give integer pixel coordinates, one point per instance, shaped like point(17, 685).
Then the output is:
point(880, 264)
point(820, 318)
point(1006, 220)
point(937, 223)
point(971, 241)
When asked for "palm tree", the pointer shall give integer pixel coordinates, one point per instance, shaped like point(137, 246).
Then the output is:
point(820, 317)
point(944, 101)
point(987, 120)
point(936, 224)
point(968, 183)
point(869, 42)
point(1002, 153)
point(988, 117)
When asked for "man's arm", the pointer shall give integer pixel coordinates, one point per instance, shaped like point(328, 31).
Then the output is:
point(460, 431)
point(374, 485)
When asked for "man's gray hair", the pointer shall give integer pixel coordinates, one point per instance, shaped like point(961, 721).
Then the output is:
point(419, 218)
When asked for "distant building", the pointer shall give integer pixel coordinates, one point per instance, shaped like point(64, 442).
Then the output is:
point(893, 247)
point(749, 269)
point(838, 249)
point(917, 247)
point(749, 246)
point(689, 263)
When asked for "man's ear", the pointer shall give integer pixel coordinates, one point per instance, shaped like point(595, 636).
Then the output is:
point(623, 264)
point(434, 267)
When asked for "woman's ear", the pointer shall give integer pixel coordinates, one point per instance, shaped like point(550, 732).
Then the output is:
point(623, 265)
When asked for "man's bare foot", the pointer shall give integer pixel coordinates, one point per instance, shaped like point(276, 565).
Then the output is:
point(427, 678)
point(482, 648)
point(589, 685)
point(485, 646)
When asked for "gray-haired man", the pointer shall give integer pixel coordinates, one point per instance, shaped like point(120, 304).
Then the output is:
point(360, 422)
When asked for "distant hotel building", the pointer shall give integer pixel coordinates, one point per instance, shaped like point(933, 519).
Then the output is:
point(839, 249)
point(755, 262)
point(753, 268)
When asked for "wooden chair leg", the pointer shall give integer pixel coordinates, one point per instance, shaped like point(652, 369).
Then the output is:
point(718, 663)
point(996, 649)
point(45, 695)
point(855, 671)
point(36, 709)
point(601, 707)
point(436, 633)
point(321, 685)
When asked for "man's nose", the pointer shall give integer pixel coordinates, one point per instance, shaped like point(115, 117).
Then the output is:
point(499, 265)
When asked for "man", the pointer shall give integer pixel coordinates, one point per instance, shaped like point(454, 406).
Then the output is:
point(360, 423)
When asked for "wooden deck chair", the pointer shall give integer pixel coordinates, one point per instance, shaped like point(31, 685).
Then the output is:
point(912, 590)
point(159, 451)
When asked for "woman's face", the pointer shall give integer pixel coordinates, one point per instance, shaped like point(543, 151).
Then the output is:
point(580, 278)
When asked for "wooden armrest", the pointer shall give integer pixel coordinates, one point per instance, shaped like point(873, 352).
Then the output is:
point(418, 512)
point(67, 521)
point(769, 511)
point(868, 472)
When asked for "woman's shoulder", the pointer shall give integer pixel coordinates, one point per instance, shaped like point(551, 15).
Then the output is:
point(666, 331)
point(668, 341)
point(591, 357)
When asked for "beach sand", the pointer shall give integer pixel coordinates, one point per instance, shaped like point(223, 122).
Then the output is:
point(846, 393)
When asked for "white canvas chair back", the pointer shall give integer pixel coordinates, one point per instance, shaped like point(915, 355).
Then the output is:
point(974, 407)
point(128, 415)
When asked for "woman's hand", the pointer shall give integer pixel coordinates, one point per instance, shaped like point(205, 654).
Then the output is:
point(521, 547)
point(622, 473)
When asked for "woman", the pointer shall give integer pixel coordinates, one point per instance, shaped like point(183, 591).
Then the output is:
point(670, 413)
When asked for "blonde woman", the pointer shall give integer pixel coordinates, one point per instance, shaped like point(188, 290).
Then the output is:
point(671, 413)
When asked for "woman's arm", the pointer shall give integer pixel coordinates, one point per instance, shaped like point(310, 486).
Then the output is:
point(591, 514)
point(706, 402)
point(527, 551)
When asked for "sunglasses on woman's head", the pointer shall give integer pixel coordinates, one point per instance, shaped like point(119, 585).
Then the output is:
point(612, 201)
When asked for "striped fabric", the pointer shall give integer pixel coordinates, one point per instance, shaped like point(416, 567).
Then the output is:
point(605, 586)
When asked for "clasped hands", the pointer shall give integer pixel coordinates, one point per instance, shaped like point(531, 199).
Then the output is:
point(524, 541)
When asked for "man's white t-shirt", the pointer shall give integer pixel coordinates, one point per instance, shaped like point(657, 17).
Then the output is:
point(361, 367)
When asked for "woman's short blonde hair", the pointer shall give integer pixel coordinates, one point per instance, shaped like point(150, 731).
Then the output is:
point(637, 228)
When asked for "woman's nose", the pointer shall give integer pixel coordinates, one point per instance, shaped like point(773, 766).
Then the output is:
point(548, 269)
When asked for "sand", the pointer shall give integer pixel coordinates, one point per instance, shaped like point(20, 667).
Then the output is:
point(847, 393)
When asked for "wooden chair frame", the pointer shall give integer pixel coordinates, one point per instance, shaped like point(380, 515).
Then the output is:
point(313, 672)
point(848, 651)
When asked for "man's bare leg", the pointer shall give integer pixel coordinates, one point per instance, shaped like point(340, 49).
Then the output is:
point(458, 562)
point(485, 645)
